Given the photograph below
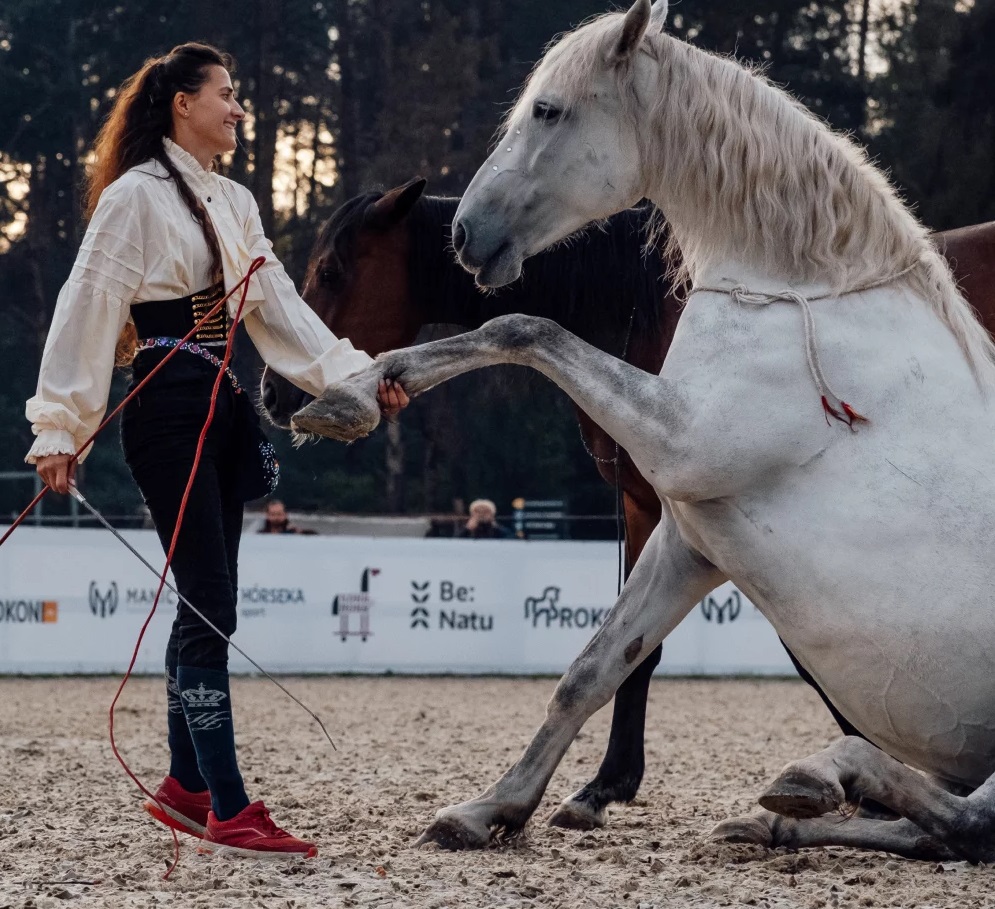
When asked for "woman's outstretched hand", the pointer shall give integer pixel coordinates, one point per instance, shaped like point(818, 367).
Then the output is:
point(391, 397)
point(59, 470)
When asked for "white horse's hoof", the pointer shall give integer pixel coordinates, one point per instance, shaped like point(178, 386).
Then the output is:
point(754, 830)
point(578, 816)
point(342, 413)
point(801, 792)
point(454, 834)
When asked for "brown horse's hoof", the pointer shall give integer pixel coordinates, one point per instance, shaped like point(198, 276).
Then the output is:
point(578, 816)
point(800, 793)
point(344, 413)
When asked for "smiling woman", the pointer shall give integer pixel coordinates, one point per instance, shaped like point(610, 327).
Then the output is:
point(167, 237)
point(210, 124)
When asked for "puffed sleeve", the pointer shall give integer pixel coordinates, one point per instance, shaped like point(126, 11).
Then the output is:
point(291, 339)
point(91, 310)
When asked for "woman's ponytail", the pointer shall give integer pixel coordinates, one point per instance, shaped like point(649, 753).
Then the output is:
point(141, 117)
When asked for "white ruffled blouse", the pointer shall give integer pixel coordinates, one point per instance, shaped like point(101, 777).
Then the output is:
point(142, 244)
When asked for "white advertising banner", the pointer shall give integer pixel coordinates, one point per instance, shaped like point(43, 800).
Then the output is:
point(73, 601)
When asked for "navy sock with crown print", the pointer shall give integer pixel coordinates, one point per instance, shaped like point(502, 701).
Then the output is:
point(182, 754)
point(207, 706)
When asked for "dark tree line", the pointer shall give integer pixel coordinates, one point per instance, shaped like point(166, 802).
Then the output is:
point(345, 95)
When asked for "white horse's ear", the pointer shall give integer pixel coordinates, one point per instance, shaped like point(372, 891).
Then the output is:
point(633, 28)
point(658, 14)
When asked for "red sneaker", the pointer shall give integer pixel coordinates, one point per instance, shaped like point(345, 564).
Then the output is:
point(252, 833)
point(181, 810)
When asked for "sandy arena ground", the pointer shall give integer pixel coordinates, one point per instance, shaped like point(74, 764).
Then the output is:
point(406, 748)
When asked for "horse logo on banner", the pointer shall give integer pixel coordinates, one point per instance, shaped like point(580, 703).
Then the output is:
point(537, 608)
point(347, 604)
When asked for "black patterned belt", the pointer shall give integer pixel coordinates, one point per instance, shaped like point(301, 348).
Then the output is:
point(193, 347)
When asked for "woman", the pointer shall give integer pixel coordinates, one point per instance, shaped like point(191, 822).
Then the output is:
point(166, 237)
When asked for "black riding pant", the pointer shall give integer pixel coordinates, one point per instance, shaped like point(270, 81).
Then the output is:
point(159, 433)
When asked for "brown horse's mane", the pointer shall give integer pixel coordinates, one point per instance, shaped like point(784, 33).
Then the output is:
point(332, 250)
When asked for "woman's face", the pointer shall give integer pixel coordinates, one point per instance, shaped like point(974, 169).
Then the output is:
point(212, 114)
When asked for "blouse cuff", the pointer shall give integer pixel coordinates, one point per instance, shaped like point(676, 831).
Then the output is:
point(339, 362)
point(51, 442)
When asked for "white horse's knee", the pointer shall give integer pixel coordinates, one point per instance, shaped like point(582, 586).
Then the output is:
point(584, 689)
point(517, 333)
point(852, 754)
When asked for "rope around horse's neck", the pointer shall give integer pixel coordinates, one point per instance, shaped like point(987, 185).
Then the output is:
point(832, 404)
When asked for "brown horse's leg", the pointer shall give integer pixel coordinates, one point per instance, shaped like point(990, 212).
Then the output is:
point(621, 770)
point(900, 837)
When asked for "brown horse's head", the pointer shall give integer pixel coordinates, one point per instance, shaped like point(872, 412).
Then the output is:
point(357, 283)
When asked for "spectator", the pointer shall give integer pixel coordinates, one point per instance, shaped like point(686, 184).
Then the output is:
point(277, 520)
point(482, 524)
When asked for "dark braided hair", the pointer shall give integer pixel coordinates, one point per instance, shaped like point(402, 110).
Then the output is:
point(142, 116)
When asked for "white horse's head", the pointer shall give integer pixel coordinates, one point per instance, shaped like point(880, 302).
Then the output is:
point(570, 154)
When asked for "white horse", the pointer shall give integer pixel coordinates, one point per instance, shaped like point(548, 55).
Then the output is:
point(865, 540)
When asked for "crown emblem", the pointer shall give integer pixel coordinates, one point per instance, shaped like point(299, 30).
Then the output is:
point(203, 697)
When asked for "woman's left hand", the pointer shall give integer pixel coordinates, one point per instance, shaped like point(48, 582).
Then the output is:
point(391, 397)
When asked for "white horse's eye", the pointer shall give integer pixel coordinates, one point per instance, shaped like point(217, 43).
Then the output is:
point(546, 112)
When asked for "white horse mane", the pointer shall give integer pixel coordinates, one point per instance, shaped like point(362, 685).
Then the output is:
point(751, 175)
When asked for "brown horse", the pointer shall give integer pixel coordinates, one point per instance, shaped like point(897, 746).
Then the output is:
point(381, 269)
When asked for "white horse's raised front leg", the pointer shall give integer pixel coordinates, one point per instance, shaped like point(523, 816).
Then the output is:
point(642, 412)
point(665, 584)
